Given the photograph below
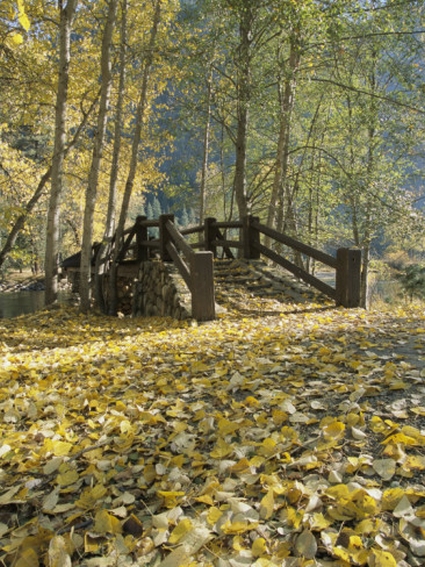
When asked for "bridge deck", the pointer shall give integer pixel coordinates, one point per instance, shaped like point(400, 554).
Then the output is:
point(252, 287)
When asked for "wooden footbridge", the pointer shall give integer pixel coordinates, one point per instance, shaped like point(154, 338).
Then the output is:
point(194, 250)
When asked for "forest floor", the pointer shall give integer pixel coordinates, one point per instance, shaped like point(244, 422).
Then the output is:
point(291, 438)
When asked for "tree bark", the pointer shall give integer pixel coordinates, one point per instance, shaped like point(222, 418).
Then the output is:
point(104, 251)
point(205, 156)
point(91, 192)
point(287, 87)
point(140, 114)
point(243, 103)
point(51, 262)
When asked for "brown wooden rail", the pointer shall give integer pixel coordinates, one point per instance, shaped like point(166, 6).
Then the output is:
point(196, 267)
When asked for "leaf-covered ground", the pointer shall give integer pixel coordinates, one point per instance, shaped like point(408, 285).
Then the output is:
point(292, 440)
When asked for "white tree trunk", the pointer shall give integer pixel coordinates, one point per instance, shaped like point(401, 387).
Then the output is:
point(91, 192)
point(134, 157)
point(51, 262)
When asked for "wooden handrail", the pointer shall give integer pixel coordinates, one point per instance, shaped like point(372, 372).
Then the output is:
point(322, 257)
point(181, 243)
point(298, 272)
point(196, 266)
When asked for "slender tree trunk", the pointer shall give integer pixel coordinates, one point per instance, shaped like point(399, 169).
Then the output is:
point(51, 263)
point(91, 192)
point(116, 152)
point(243, 104)
point(104, 251)
point(287, 88)
point(204, 172)
point(140, 114)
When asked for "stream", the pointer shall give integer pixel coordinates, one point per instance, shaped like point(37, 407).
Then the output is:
point(13, 304)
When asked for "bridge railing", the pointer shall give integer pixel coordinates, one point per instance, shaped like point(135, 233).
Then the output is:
point(346, 263)
point(196, 268)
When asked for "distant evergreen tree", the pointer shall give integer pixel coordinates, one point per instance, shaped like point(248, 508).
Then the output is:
point(184, 218)
point(192, 218)
point(156, 208)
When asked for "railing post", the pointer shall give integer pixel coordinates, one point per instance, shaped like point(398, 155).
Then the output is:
point(210, 235)
point(202, 286)
point(251, 236)
point(348, 271)
point(164, 237)
point(142, 251)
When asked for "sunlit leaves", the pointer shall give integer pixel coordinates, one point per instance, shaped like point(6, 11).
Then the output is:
point(229, 443)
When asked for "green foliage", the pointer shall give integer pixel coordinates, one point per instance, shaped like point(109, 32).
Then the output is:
point(413, 281)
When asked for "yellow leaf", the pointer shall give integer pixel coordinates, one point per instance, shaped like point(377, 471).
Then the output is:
point(259, 547)
point(206, 499)
point(267, 505)
point(171, 497)
point(92, 543)
point(240, 466)
point(91, 497)
point(105, 523)
point(268, 447)
point(400, 438)
point(58, 448)
point(182, 528)
point(391, 497)
point(334, 430)
point(58, 553)
point(414, 462)
point(28, 558)
point(68, 477)
point(22, 16)
point(377, 425)
point(279, 416)
point(292, 516)
point(366, 526)
point(383, 558)
point(238, 527)
point(14, 40)
point(227, 427)
point(319, 522)
point(221, 449)
point(214, 514)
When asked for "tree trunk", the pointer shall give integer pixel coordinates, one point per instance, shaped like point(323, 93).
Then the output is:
point(242, 110)
point(91, 192)
point(287, 90)
point(51, 263)
point(204, 172)
point(104, 251)
point(113, 306)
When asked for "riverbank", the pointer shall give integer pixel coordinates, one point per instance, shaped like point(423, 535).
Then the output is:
point(22, 293)
point(25, 280)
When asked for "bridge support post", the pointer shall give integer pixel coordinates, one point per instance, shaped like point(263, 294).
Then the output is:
point(142, 252)
point(348, 275)
point(202, 286)
point(164, 237)
point(210, 235)
point(251, 237)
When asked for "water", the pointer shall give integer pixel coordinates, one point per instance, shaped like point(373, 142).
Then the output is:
point(18, 303)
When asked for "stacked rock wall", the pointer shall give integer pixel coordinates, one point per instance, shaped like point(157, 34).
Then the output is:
point(150, 289)
point(160, 291)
